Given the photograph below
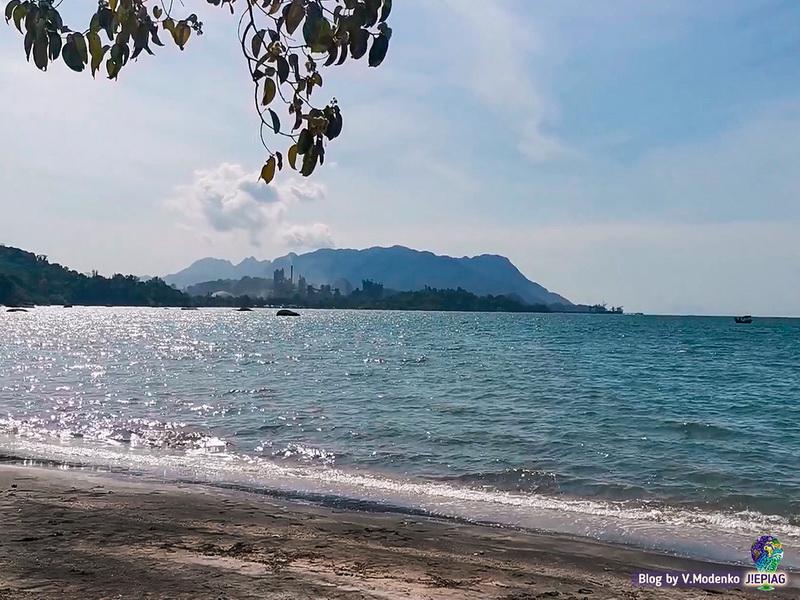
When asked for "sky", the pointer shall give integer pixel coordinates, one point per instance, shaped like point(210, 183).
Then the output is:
point(644, 154)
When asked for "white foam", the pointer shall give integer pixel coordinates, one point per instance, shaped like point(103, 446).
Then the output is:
point(723, 536)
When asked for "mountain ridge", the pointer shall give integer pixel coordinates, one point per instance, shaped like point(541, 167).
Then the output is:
point(397, 267)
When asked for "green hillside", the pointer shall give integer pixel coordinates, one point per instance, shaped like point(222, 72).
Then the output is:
point(29, 278)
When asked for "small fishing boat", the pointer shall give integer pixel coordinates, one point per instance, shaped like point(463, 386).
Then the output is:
point(17, 310)
point(285, 312)
point(744, 320)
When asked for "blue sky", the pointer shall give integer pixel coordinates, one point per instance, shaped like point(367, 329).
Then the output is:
point(644, 154)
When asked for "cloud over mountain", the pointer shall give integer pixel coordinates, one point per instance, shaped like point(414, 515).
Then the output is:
point(229, 199)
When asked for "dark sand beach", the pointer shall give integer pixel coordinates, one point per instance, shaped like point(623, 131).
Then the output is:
point(82, 535)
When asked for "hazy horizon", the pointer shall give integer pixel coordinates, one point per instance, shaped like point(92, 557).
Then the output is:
point(644, 155)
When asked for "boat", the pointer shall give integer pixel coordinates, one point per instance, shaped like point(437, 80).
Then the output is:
point(743, 320)
point(68, 306)
point(244, 309)
point(17, 310)
point(284, 312)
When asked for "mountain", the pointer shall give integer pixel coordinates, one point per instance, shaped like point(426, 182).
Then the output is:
point(397, 268)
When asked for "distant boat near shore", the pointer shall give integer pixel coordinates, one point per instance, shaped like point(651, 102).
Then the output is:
point(743, 320)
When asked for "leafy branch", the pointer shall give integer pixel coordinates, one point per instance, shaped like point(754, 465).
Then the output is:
point(283, 69)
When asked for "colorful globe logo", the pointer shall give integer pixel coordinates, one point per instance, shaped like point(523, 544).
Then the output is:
point(767, 553)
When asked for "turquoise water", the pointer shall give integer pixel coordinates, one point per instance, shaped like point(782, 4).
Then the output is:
point(679, 434)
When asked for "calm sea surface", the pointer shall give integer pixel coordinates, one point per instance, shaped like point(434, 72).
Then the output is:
point(677, 434)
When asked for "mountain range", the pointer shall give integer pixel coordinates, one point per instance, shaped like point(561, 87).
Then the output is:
point(397, 268)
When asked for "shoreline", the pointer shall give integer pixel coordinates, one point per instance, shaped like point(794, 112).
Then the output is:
point(78, 534)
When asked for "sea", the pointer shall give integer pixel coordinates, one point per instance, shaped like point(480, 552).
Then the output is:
point(679, 435)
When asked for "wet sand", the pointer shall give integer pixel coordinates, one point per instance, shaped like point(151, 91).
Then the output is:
point(81, 535)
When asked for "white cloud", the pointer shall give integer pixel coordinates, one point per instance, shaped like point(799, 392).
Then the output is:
point(498, 42)
point(229, 199)
point(317, 235)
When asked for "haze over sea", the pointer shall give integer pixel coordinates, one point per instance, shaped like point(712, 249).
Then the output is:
point(671, 433)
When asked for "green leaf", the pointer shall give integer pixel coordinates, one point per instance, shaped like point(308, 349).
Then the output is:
point(276, 5)
point(70, 55)
point(279, 156)
point(387, 8)
point(358, 43)
point(157, 12)
point(293, 15)
point(317, 30)
point(20, 13)
point(269, 91)
point(276, 122)
point(304, 142)
point(10, 9)
point(141, 39)
point(105, 17)
point(257, 43)
point(283, 69)
point(97, 55)
point(112, 68)
point(313, 20)
point(80, 46)
point(295, 64)
point(30, 37)
point(333, 54)
point(268, 171)
point(293, 156)
point(309, 162)
point(40, 52)
point(181, 34)
point(373, 9)
point(343, 55)
point(55, 45)
point(334, 123)
point(378, 51)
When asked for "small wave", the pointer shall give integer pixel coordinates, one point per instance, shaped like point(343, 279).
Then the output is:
point(644, 524)
point(510, 480)
point(300, 453)
point(135, 432)
point(694, 429)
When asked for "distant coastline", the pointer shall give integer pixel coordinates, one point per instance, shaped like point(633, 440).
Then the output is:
point(27, 279)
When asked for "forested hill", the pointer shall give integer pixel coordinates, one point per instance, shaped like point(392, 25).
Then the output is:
point(29, 278)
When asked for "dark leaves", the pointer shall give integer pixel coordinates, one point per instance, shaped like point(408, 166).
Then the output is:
point(292, 15)
point(283, 60)
point(387, 8)
point(304, 142)
point(276, 122)
point(358, 43)
point(269, 91)
point(283, 69)
point(378, 51)
point(71, 54)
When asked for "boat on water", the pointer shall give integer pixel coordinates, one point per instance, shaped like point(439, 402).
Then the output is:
point(743, 320)
point(17, 309)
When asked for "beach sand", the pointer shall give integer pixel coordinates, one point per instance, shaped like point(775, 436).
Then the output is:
point(72, 534)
